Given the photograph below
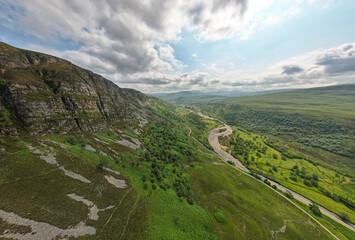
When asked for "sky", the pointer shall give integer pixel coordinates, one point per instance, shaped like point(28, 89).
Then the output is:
point(207, 45)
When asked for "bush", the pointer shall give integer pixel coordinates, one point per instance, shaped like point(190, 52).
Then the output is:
point(315, 177)
point(315, 209)
point(230, 162)
point(220, 216)
point(314, 183)
point(289, 194)
point(293, 178)
point(154, 186)
point(344, 216)
point(274, 156)
point(267, 182)
point(274, 169)
point(307, 182)
point(274, 187)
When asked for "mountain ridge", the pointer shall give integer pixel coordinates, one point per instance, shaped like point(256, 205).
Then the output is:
point(46, 94)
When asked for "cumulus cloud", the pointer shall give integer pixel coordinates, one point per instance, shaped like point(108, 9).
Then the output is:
point(130, 41)
point(125, 36)
point(316, 68)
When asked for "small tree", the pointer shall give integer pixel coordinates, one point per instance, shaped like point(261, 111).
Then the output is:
point(315, 209)
point(344, 216)
point(289, 194)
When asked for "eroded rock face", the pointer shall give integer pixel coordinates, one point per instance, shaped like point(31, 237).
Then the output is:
point(50, 95)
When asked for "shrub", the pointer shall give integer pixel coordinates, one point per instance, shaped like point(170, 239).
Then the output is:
point(274, 187)
point(314, 183)
point(220, 216)
point(307, 182)
point(344, 216)
point(274, 169)
point(274, 156)
point(289, 194)
point(293, 178)
point(267, 182)
point(315, 209)
point(154, 186)
point(315, 177)
point(231, 162)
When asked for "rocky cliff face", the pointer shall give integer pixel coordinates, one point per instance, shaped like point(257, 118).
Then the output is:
point(44, 94)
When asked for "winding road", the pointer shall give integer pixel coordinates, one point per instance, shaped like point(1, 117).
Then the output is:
point(220, 150)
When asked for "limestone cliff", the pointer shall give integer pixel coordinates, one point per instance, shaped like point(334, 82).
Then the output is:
point(44, 94)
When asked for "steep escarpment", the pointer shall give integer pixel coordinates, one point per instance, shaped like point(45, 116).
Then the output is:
point(45, 94)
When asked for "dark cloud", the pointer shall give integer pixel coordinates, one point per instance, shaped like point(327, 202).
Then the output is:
point(337, 62)
point(148, 81)
point(213, 82)
point(291, 69)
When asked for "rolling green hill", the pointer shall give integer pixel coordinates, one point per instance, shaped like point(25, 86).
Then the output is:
point(313, 129)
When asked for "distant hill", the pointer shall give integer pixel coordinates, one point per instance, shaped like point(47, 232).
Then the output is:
point(184, 97)
point(323, 118)
point(192, 97)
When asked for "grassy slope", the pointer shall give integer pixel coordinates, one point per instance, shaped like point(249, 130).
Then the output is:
point(329, 102)
point(332, 105)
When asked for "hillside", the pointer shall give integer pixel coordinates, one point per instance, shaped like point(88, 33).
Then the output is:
point(303, 133)
point(81, 158)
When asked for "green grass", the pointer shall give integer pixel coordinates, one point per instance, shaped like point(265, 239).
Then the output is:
point(252, 209)
point(338, 229)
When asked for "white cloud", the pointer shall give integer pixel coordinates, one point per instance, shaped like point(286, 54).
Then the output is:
point(129, 41)
point(316, 68)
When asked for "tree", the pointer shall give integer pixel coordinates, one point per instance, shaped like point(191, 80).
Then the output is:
point(344, 216)
point(307, 182)
point(315, 209)
point(289, 194)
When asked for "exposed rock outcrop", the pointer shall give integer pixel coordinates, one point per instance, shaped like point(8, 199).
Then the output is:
point(46, 94)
